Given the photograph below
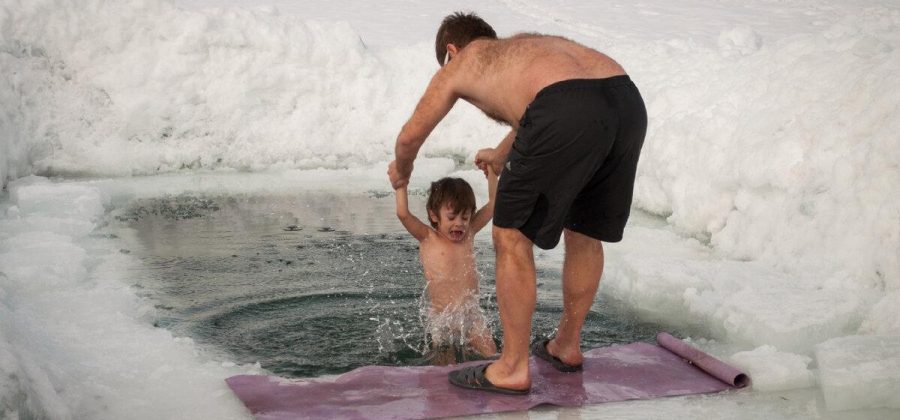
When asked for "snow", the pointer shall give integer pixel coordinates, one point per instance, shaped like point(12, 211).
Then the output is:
point(75, 341)
point(883, 319)
point(771, 157)
point(680, 283)
point(775, 370)
point(860, 371)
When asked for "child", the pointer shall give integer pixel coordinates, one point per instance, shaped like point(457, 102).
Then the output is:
point(447, 252)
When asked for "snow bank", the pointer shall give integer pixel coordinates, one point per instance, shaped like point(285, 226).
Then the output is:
point(781, 152)
point(860, 371)
point(883, 319)
point(139, 87)
point(75, 340)
point(657, 275)
point(773, 370)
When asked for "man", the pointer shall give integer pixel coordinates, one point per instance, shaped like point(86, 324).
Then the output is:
point(568, 164)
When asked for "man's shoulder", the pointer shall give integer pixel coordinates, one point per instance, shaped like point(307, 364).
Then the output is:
point(483, 45)
point(528, 35)
point(479, 46)
point(486, 50)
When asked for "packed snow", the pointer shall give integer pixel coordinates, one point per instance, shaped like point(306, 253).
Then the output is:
point(768, 181)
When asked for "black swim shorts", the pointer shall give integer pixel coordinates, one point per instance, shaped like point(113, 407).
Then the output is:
point(573, 161)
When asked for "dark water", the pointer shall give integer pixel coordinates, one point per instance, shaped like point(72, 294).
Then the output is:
point(310, 284)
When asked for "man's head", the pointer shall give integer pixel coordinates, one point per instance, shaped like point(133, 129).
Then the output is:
point(451, 203)
point(459, 29)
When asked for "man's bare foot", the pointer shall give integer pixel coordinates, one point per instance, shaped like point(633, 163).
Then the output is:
point(570, 355)
point(503, 375)
point(567, 359)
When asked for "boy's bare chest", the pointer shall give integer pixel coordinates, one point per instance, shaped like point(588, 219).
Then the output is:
point(447, 260)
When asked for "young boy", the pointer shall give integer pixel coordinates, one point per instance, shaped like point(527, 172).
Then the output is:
point(447, 252)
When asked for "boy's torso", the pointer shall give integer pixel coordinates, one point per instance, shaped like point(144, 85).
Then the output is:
point(449, 270)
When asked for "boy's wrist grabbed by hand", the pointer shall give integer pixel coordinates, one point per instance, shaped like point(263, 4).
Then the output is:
point(399, 177)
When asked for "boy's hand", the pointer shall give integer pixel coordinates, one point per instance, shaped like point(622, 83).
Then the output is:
point(397, 178)
point(489, 171)
point(489, 157)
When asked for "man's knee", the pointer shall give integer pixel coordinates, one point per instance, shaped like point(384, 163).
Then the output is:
point(507, 239)
point(582, 242)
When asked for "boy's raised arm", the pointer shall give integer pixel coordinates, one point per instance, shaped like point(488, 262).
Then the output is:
point(412, 223)
point(486, 213)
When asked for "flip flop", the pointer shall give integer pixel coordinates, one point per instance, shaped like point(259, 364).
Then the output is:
point(472, 377)
point(539, 349)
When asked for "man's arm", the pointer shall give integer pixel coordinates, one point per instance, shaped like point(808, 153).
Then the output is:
point(412, 223)
point(496, 157)
point(486, 213)
point(434, 105)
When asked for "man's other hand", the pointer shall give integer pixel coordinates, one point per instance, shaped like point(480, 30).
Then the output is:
point(397, 179)
point(489, 156)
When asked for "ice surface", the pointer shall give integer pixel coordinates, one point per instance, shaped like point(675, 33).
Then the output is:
point(774, 370)
point(657, 274)
point(74, 339)
point(860, 371)
point(883, 319)
point(35, 196)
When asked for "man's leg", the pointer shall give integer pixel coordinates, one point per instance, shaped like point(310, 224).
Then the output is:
point(582, 269)
point(516, 300)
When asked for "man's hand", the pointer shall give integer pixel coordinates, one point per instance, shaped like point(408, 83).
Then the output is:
point(490, 157)
point(398, 179)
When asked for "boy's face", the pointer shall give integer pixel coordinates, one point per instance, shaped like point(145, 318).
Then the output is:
point(451, 224)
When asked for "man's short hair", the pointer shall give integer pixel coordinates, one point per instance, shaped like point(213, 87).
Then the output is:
point(459, 29)
point(455, 192)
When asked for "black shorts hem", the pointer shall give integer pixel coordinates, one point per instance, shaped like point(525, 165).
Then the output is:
point(610, 234)
point(546, 242)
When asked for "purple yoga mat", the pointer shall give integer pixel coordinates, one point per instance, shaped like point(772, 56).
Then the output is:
point(615, 373)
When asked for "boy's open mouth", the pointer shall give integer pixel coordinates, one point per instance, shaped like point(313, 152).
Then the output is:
point(456, 234)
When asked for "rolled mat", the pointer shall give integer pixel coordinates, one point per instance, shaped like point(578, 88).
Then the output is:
point(715, 367)
point(615, 373)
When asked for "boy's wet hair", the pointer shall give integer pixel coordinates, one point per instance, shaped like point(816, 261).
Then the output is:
point(455, 192)
point(459, 29)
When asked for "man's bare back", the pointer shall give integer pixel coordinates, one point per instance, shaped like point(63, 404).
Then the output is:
point(501, 77)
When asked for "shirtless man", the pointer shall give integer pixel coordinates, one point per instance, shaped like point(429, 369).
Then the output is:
point(568, 164)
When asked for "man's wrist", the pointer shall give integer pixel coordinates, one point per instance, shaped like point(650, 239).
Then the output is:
point(404, 168)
